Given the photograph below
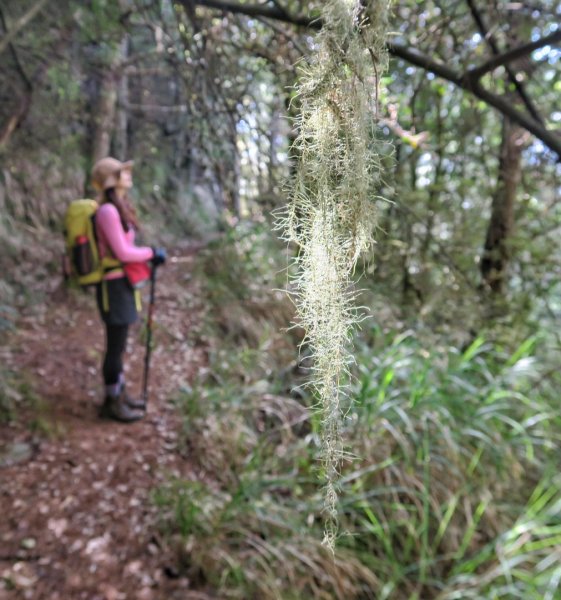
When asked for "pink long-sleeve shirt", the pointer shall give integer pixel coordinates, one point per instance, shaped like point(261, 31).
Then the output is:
point(113, 240)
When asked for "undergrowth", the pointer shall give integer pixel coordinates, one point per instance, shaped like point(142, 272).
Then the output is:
point(17, 397)
point(450, 488)
point(29, 267)
point(452, 492)
point(242, 275)
point(11, 396)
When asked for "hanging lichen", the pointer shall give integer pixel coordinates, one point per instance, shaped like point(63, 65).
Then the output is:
point(331, 215)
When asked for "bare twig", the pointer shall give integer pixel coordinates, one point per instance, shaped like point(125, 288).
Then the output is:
point(21, 23)
point(24, 104)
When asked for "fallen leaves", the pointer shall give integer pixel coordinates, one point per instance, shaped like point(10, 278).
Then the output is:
point(98, 548)
point(57, 526)
point(20, 576)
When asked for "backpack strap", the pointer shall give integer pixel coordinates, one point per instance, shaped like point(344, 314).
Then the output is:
point(104, 296)
point(108, 263)
point(137, 299)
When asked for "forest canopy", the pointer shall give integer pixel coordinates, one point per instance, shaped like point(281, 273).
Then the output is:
point(201, 94)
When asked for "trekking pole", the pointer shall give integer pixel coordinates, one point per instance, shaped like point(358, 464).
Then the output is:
point(149, 336)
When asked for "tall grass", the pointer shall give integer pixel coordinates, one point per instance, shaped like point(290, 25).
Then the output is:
point(451, 445)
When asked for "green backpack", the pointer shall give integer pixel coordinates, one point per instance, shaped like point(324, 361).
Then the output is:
point(82, 263)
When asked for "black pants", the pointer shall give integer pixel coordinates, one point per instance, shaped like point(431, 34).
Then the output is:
point(122, 313)
point(116, 342)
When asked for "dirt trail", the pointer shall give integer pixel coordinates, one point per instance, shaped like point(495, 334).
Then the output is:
point(76, 518)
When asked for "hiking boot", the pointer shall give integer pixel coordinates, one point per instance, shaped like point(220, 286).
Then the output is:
point(116, 408)
point(136, 403)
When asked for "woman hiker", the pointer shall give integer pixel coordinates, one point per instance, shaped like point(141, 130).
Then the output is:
point(117, 300)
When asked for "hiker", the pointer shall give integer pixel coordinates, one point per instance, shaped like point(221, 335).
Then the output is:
point(118, 301)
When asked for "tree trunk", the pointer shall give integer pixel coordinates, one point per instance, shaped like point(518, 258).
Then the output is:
point(104, 117)
point(235, 191)
point(497, 250)
point(29, 83)
point(121, 146)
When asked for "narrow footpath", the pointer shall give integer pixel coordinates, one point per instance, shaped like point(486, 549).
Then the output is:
point(77, 520)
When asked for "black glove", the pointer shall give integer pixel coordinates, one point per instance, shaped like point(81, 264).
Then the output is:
point(159, 257)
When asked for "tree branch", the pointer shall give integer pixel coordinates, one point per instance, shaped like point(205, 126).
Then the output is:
point(24, 103)
point(20, 24)
point(515, 53)
point(503, 105)
point(31, 84)
point(257, 10)
point(465, 82)
point(17, 62)
point(511, 74)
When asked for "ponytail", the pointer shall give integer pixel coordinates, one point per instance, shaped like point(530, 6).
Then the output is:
point(123, 206)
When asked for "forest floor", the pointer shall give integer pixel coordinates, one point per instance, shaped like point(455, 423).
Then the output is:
point(75, 491)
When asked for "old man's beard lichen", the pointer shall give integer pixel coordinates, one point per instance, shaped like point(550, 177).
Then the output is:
point(331, 215)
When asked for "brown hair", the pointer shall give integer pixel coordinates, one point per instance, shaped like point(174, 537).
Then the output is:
point(124, 206)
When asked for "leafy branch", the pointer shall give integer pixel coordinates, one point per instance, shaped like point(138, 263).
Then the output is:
point(468, 81)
